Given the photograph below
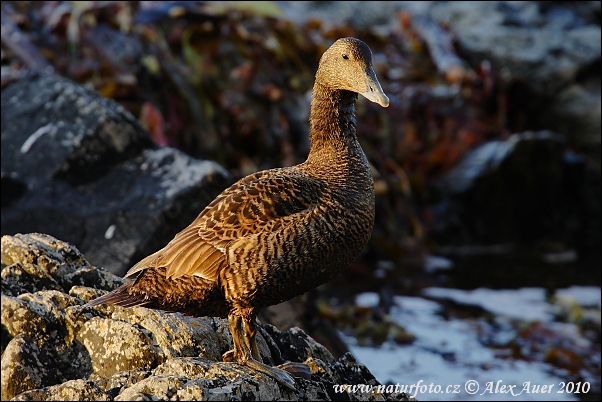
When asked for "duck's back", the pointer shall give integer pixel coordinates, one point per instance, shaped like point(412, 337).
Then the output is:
point(305, 247)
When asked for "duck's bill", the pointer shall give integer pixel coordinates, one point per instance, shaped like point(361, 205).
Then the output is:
point(374, 91)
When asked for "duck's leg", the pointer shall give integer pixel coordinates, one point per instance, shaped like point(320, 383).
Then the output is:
point(239, 341)
point(243, 354)
point(250, 336)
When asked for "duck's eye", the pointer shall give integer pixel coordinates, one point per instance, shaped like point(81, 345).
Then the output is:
point(345, 56)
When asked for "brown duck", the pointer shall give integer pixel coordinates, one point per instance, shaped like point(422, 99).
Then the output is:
point(275, 234)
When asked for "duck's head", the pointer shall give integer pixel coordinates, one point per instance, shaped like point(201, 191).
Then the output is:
point(347, 65)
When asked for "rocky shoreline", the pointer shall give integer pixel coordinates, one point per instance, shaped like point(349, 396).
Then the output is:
point(54, 349)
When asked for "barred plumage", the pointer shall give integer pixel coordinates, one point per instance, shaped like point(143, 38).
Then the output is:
point(277, 233)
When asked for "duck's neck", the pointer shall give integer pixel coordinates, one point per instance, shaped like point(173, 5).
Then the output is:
point(332, 120)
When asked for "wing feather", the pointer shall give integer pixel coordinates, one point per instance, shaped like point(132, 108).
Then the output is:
point(187, 261)
point(258, 203)
point(143, 264)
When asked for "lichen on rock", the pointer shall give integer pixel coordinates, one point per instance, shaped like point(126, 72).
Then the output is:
point(53, 348)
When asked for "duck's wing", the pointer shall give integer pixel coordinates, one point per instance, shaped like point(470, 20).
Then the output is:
point(262, 202)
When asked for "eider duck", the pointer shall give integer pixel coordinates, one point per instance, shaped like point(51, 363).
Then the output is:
point(277, 233)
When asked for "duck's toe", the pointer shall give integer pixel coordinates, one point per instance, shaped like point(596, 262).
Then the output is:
point(298, 370)
point(277, 374)
point(229, 356)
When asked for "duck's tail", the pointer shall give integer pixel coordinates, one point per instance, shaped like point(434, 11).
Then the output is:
point(120, 297)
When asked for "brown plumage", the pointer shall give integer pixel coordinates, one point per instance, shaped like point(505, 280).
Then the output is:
point(275, 234)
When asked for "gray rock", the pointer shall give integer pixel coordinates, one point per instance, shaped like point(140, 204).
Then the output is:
point(576, 110)
point(80, 167)
point(55, 349)
point(44, 317)
point(54, 128)
point(295, 343)
point(523, 189)
point(17, 279)
point(359, 13)
point(18, 317)
point(546, 45)
point(552, 47)
point(488, 158)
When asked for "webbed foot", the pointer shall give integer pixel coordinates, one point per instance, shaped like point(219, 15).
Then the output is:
point(245, 347)
point(276, 373)
point(299, 370)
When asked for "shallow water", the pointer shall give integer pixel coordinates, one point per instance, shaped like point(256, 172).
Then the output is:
point(464, 358)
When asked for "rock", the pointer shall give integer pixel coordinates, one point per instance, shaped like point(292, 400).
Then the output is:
point(74, 390)
point(80, 167)
point(16, 280)
point(115, 346)
point(545, 44)
point(576, 109)
point(524, 189)
point(301, 312)
point(41, 262)
point(336, 12)
point(553, 48)
point(295, 343)
point(21, 367)
point(54, 349)
point(123, 379)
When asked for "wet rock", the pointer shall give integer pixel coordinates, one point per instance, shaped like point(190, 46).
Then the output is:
point(81, 168)
point(55, 349)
